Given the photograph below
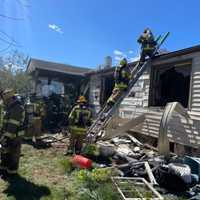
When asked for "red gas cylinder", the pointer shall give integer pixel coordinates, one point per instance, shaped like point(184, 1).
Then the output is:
point(82, 162)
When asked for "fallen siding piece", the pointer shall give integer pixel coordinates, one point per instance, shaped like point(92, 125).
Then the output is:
point(163, 140)
point(134, 140)
point(122, 129)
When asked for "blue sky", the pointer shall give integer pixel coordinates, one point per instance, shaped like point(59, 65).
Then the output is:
point(83, 32)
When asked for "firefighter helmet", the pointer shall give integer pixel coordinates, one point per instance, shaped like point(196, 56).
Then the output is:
point(123, 62)
point(81, 99)
point(7, 94)
point(146, 30)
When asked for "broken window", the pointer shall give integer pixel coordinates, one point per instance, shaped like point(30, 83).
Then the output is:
point(170, 83)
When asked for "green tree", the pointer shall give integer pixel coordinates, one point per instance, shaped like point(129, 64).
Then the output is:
point(13, 73)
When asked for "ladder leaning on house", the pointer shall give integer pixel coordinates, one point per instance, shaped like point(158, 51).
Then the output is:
point(106, 113)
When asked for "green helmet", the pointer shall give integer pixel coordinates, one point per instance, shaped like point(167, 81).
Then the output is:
point(123, 62)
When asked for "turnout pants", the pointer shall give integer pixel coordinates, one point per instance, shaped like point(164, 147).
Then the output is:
point(34, 129)
point(76, 142)
point(116, 93)
point(10, 157)
point(144, 53)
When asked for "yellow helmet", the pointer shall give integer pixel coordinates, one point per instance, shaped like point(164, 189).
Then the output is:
point(123, 62)
point(7, 94)
point(81, 99)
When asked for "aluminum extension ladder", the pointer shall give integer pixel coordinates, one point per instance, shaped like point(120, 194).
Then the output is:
point(106, 113)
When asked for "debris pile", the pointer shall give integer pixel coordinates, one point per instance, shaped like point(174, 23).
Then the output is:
point(171, 177)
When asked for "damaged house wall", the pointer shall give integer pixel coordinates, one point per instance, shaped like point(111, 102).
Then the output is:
point(101, 85)
point(54, 77)
point(142, 97)
point(95, 89)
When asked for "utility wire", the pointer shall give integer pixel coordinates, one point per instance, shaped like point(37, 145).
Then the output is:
point(7, 42)
point(10, 38)
point(23, 4)
point(12, 18)
point(5, 49)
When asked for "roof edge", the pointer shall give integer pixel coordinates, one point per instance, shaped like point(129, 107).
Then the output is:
point(179, 52)
point(167, 55)
point(59, 63)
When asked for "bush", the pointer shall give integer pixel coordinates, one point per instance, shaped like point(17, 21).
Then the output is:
point(96, 175)
point(66, 165)
point(93, 185)
point(91, 150)
point(101, 175)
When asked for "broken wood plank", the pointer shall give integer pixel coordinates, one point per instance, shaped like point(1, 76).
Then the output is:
point(150, 174)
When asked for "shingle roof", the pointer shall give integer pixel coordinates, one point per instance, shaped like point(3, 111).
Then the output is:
point(57, 67)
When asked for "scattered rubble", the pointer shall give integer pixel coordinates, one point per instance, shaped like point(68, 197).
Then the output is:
point(139, 164)
point(133, 160)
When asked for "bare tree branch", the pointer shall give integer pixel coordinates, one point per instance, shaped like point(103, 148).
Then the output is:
point(4, 37)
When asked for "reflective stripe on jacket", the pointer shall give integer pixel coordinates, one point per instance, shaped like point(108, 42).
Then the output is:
point(80, 118)
point(121, 86)
point(77, 130)
point(13, 120)
point(122, 77)
point(147, 40)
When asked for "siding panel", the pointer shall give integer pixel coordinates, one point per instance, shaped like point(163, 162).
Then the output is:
point(180, 130)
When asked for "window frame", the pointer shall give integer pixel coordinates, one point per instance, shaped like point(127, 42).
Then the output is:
point(153, 70)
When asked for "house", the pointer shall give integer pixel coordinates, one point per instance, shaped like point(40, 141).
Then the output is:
point(54, 77)
point(173, 76)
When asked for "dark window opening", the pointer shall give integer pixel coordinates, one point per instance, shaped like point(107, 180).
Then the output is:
point(107, 85)
point(170, 83)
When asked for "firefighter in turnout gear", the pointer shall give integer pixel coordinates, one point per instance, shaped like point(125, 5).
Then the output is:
point(34, 114)
point(11, 132)
point(122, 77)
point(148, 44)
point(80, 119)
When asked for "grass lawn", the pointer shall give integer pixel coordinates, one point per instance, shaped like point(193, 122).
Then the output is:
point(42, 177)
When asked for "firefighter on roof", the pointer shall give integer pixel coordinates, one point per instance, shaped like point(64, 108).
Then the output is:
point(11, 132)
point(148, 44)
point(122, 78)
point(80, 119)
